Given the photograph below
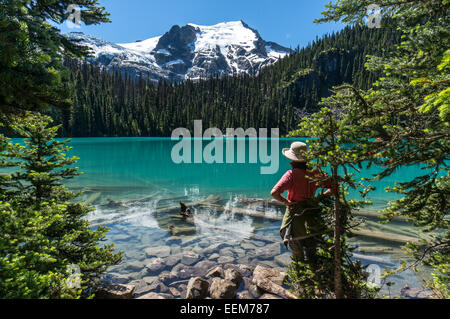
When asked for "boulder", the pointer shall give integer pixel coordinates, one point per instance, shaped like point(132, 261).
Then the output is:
point(197, 288)
point(233, 276)
point(270, 280)
point(108, 290)
point(273, 275)
point(222, 289)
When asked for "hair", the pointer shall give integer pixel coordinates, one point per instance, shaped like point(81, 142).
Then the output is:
point(299, 165)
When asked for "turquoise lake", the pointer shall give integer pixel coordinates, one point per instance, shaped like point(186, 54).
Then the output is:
point(135, 188)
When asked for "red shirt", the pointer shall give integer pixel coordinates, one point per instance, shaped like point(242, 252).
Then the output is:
point(299, 186)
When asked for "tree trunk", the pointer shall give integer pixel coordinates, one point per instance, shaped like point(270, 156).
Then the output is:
point(338, 289)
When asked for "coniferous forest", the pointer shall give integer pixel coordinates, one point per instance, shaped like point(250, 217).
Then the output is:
point(107, 104)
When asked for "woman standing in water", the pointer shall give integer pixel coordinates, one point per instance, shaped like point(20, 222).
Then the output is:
point(302, 222)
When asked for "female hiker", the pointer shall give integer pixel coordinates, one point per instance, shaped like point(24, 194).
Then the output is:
point(302, 224)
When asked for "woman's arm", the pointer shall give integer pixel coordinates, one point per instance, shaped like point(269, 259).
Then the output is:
point(277, 195)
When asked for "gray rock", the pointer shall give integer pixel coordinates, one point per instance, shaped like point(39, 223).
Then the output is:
point(214, 256)
point(244, 295)
point(159, 251)
point(201, 268)
point(270, 280)
point(154, 295)
point(175, 249)
point(173, 240)
point(181, 271)
point(270, 296)
point(120, 278)
point(156, 266)
point(233, 276)
point(245, 270)
point(214, 248)
point(255, 291)
point(108, 290)
point(150, 279)
point(226, 252)
point(175, 292)
point(222, 289)
point(225, 260)
point(197, 288)
point(197, 250)
point(269, 251)
point(158, 286)
point(283, 259)
point(190, 258)
point(134, 266)
point(273, 275)
point(172, 260)
point(248, 245)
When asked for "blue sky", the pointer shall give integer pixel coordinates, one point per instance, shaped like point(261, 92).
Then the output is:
point(287, 22)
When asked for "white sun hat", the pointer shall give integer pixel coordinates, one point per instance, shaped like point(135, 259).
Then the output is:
point(295, 153)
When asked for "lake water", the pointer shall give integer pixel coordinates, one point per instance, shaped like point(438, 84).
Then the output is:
point(135, 187)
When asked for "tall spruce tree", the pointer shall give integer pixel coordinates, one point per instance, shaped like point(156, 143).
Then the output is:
point(32, 75)
point(43, 232)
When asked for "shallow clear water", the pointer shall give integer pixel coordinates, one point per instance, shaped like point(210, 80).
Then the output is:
point(128, 179)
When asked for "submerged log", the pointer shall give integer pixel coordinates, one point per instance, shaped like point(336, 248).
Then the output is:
point(244, 211)
point(385, 236)
point(209, 200)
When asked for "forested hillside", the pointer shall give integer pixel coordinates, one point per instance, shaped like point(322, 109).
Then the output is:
point(108, 104)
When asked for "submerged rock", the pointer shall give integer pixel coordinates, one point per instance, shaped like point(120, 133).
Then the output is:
point(156, 266)
point(154, 295)
point(190, 258)
point(159, 251)
point(225, 260)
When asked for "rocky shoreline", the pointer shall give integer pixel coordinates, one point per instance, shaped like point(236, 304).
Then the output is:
point(165, 271)
point(193, 267)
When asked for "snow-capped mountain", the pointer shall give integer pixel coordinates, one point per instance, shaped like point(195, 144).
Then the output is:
point(189, 52)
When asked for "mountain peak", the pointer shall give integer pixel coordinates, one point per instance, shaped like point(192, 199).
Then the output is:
point(190, 52)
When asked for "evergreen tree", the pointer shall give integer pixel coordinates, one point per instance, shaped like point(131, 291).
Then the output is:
point(43, 232)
